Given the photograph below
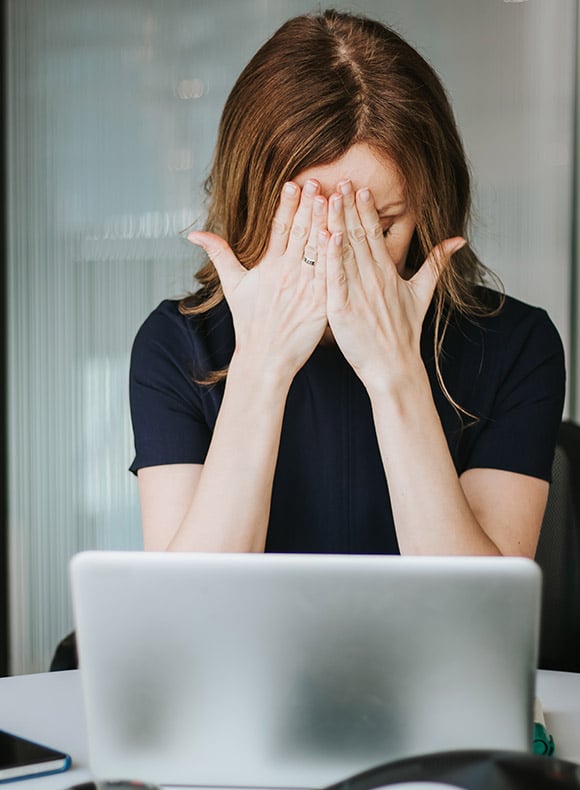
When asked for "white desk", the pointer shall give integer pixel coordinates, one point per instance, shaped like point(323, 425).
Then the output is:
point(48, 708)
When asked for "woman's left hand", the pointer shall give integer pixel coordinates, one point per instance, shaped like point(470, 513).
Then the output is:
point(375, 314)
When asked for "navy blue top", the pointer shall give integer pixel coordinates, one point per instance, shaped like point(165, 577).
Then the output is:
point(330, 493)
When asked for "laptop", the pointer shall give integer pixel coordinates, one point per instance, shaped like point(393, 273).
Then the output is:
point(299, 670)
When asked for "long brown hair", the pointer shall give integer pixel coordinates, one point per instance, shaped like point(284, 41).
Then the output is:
point(320, 84)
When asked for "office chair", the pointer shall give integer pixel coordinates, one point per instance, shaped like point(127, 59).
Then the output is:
point(65, 656)
point(558, 555)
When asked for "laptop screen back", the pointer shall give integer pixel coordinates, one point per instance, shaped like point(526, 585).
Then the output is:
point(298, 671)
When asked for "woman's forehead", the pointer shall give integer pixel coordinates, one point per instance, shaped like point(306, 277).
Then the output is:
point(364, 169)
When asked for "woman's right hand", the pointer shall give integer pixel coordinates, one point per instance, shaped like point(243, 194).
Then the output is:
point(278, 306)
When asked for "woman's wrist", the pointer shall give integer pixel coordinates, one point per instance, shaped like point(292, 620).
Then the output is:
point(397, 384)
point(258, 374)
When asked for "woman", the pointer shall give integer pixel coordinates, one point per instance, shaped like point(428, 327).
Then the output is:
point(378, 398)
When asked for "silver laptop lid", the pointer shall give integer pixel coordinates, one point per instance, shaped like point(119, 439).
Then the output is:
point(297, 670)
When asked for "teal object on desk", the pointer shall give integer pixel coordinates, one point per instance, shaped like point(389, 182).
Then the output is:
point(543, 741)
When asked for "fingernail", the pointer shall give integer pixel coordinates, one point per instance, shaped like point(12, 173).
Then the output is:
point(290, 189)
point(311, 187)
point(337, 203)
point(319, 205)
point(345, 187)
point(364, 195)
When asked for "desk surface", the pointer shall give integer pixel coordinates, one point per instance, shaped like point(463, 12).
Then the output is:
point(48, 708)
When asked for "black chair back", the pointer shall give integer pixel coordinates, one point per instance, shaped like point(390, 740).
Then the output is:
point(558, 555)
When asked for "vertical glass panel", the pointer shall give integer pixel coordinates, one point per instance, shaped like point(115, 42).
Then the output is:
point(113, 111)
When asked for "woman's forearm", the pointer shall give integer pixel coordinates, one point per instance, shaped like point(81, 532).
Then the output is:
point(231, 504)
point(430, 510)
point(278, 309)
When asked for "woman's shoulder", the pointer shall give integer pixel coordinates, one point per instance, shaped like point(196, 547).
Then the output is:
point(510, 322)
point(173, 322)
point(166, 312)
point(165, 327)
point(198, 342)
point(507, 368)
point(506, 310)
point(169, 313)
point(511, 340)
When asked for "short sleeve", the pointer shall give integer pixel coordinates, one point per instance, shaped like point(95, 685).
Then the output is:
point(169, 423)
point(521, 432)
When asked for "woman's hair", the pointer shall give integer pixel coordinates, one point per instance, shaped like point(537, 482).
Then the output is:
point(321, 84)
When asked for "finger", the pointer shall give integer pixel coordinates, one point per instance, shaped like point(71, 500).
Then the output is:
point(337, 224)
point(336, 280)
point(321, 254)
point(372, 226)
point(283, 217)
point(318, 223)
point(425, 280)
point(301, 223)
point(319, 269)
point(355, 231)
point(229, 269)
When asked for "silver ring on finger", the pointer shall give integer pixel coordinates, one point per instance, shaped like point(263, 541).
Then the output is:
point(309, 261)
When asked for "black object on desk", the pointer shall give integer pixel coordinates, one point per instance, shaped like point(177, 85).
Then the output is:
point(472, 770)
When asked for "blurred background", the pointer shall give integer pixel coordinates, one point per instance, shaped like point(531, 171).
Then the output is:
point(109, 119)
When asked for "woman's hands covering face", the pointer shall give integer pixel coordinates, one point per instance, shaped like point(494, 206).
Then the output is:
point(281, 307)
point(278, 306)
point(375, 314)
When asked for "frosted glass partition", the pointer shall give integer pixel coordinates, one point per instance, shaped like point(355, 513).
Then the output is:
point(113, 108)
